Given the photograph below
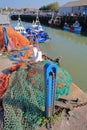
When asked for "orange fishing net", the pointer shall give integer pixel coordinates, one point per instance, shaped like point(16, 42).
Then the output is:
point(4, 80)
point(16, 38)
point(16, 41)
point(16, 67)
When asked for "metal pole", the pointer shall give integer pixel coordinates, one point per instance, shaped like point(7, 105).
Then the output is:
point(50, 72)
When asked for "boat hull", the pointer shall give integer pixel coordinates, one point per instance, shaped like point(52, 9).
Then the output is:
point(76, 29)
point(66, 28)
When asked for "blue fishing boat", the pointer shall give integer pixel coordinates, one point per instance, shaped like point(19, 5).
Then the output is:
point(36, 26)
point(76, 27)
point(40, 40)
point(66, 27)
point(41, 37)
point(37, 32)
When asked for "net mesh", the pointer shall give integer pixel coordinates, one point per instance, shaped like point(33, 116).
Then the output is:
point(24, 100)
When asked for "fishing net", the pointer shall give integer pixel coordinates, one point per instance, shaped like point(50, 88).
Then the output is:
point(16, 40)
point(24, 100)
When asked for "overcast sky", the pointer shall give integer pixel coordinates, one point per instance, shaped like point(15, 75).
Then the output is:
point(29, 3)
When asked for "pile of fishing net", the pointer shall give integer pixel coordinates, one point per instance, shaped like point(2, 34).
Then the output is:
point(16, 40)
point(24, 100)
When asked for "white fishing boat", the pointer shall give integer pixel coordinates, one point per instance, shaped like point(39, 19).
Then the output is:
point(20, 28)
point(36, 26)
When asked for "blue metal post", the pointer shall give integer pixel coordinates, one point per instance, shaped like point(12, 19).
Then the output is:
point(5, 36)
point(50, 73)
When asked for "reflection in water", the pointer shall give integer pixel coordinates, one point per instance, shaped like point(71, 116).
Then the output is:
point(79, 38)
point(73, 49)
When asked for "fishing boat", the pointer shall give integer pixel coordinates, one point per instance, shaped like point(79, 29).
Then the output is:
point(57, 21)
point(50, 22)
point(66, 27)
point(76, 27)
point(36, 26)
point(41, 37)
point(20, 28)
point(37, 32)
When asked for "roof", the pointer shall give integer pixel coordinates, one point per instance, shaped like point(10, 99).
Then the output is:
point(4, 20)
point(76, 3)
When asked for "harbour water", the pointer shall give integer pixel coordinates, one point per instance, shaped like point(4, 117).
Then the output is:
point(73, 49)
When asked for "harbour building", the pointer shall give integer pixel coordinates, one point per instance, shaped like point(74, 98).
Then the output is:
point(4, 20)
point(78, 7)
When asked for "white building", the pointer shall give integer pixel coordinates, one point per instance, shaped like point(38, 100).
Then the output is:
point(78, 7)
point(4, 20)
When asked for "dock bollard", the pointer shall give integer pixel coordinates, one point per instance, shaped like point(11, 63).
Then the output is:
point(50, 76)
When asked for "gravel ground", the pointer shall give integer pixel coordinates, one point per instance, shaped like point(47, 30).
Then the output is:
point(5, 63)
point(78, 116)
point(76, 121)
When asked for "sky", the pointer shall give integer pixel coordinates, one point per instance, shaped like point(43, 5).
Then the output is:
point(29, 3)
